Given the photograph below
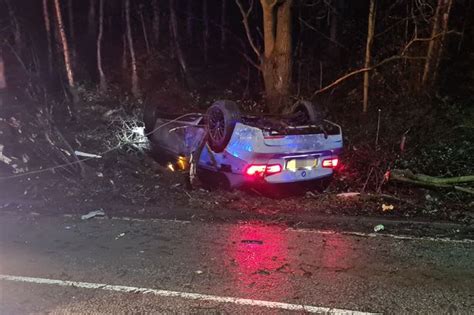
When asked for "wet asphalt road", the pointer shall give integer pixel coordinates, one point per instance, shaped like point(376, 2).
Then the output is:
point(247, 260)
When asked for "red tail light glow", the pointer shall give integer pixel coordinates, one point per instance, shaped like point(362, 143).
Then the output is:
point(255, 169)
point(330, 163)
point(273, 169)
point(260, 169)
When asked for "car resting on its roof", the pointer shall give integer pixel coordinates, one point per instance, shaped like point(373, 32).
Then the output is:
point(298, 146)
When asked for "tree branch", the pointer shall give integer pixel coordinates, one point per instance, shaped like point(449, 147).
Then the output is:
point(253, 63)
point(245, 21)
point(416, 39)
point(353, 73)
point(322, 34)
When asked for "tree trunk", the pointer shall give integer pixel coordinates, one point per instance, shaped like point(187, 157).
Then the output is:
point(91, 19)
point(176, 44)
point(368, 48)
point(124, 53)
point(277, 59)
point(333, 26)
point(145, 33)
point(135, 89)
point(66, 53)
point(15, 26)
point(47, 24)
point(3, 81)
point(103, 81)
point(156, 22)
point(72, 33)
point(189, 19)
point(435, 46)
point(223, 24)
point(444, 30)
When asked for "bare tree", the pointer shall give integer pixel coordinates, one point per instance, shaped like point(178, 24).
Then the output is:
point(66, 52)
point(70, 11)
point(47, 24)
point(124, 52)
point(205, 21)
point(368, 48)
point(103, 81)
point(176, 44)
point(91, 21)
point(333, 22)
point(145, 33)
point(15, 26)
point(3, 81)
point(223, 23)
point(436, 44)
point(135, 89)
point(156, 21)
point(189, 19)
point(275, 62)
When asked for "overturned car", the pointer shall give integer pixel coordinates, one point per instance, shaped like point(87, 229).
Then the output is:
point(245, 149)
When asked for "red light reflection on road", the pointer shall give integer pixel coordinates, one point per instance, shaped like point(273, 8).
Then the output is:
point(336, 253)
point(257, 258)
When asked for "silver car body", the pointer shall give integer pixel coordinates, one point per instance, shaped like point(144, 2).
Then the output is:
point(300, 156)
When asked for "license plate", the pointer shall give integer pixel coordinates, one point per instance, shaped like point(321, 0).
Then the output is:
point(301, 164)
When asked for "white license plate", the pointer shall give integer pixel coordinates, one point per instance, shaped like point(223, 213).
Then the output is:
point(301, 164)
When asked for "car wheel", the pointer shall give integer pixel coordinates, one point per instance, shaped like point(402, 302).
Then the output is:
point(221, 118)
point(309, 111)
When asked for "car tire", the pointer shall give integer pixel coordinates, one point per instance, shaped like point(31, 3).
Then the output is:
point(221, 118)
point(310, 110)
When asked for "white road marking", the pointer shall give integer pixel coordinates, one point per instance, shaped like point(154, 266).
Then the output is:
point(183, 295)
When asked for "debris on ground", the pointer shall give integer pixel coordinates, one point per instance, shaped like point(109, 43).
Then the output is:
point(119, 236)
point(258, 242)
point(92, 214)
point(348, 195)
point(379, 227)
point(387, 207)
point(87, 155)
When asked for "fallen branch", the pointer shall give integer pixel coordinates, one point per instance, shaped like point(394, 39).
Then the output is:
point(431, 179)
point(407, 176)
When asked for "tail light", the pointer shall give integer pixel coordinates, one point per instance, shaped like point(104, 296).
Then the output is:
point(260, 169)
point(330, 163)
point(255, 169)
point(273, 169)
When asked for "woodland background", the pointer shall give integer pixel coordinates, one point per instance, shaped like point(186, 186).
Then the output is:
point(397, 75)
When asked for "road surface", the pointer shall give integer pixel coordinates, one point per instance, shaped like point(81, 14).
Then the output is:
point(57, 264)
